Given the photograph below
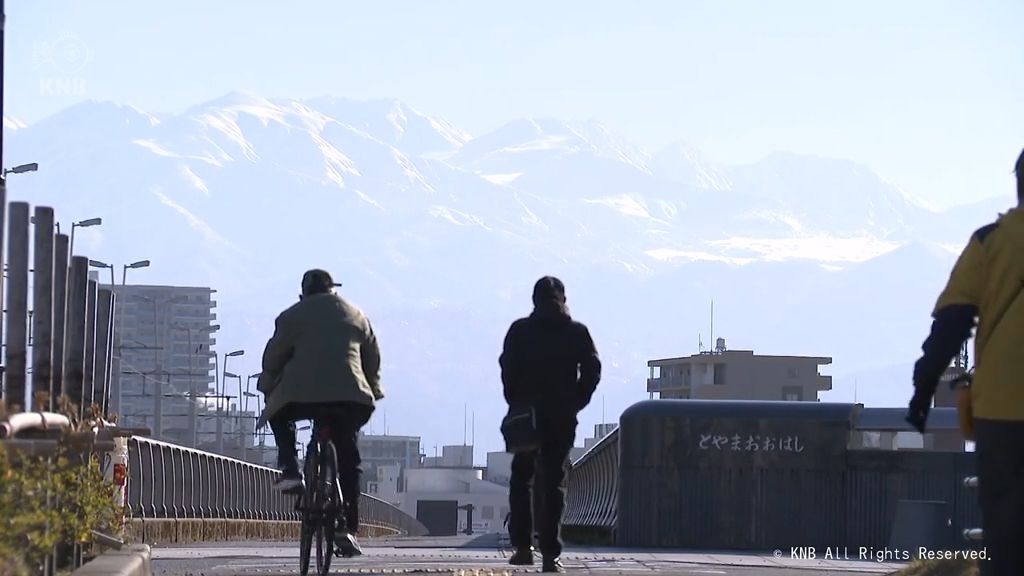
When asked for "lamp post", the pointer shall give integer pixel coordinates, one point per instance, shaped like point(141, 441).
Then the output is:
point(192, 392)
point(248, 388)
point(98, 264)
point(248, 394)
point(239, 378)
point(157, 384)
point(31, 167)
point(119, 310)
point(220, 417)
point(132, 266)
point(82, 224)
point(233, 375)
point(226, 356)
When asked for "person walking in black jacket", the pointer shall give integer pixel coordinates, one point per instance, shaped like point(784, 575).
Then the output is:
point(549, 360)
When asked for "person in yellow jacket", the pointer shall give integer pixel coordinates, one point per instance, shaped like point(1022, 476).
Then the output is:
point(986, 285)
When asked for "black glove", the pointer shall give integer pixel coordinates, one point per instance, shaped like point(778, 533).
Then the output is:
point(917, 413)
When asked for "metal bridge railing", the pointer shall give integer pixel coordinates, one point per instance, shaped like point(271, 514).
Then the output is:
point(593, 488)
point(170, 481)
point(973, 534)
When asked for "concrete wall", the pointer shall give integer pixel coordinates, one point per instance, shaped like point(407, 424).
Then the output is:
point(441, 479)
point(499, 467)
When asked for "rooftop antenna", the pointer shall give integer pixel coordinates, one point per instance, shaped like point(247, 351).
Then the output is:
point(602, 409)
point(854, 390)
point(465, 408)
point(712, 322)
point(472, 439)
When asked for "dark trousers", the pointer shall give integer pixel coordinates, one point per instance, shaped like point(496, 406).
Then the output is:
point(345, 419)
point(546, 471)
point(999, 446)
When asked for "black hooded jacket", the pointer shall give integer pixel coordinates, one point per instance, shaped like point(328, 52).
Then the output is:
point(550, 360)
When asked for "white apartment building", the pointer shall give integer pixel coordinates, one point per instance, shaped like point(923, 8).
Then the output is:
point(164, 364)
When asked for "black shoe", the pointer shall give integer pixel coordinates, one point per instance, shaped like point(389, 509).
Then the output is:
point(552, 565)
point(347, 545)
point(290, 481)
point(522, 557)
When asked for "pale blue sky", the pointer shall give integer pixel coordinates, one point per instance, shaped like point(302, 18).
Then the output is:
point(929, 93)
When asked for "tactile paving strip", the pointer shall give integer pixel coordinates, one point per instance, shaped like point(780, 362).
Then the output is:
point(464, 564)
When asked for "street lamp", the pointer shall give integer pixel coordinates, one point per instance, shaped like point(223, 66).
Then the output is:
point(226, 356)
point(98, 264)
point(192, 392)
point(220, 417)
point(21, 169)
point(248, 393)
point(233, 375)
point(132, 266)
point(82, 224)
point(32, 167)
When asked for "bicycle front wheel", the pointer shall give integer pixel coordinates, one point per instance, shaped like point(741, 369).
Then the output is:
point(309, 515)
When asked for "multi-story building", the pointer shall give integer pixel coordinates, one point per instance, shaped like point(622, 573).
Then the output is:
point(738, 375)
point(378, 451)
point(445, 493)
point(163, 357)
point(451, 457)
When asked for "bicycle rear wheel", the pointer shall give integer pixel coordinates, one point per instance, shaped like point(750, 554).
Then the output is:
point(327, 491)
point(328, 495)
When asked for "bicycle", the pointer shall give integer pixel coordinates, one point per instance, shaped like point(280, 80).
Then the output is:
point(320, 503)
point(963, 380)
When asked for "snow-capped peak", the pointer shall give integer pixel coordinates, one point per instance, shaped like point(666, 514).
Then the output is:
point(395, 123)
point(683, 162)
point(551, 136)
point(13, 123)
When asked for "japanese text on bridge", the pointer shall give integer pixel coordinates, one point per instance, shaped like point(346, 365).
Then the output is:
point(750, 443)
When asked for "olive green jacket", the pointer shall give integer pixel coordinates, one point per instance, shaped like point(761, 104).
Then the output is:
point(323, 350)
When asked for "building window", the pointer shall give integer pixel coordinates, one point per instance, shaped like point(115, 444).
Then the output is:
point(793, 372)
point(371, 487)
point(908, 441)
point(655, 372)
point(792, 393)
point(719, 374)
point(487, 513)
point(871, 439)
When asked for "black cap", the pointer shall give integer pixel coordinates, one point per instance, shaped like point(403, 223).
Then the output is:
point(549, 289)
point(317, 281)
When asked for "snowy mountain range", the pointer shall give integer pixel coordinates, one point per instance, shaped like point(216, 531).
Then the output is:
point(439, 236)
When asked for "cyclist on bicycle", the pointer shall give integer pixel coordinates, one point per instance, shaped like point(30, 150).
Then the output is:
point(322, 364)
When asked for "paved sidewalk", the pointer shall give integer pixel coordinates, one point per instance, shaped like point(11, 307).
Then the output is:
point(466, 556)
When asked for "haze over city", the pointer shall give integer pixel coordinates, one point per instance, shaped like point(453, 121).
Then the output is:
point(834, 157)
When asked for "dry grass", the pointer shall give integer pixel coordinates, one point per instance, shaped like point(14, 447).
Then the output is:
point(940, 568)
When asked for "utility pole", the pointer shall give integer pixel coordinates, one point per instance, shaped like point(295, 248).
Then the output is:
point(3, 23)
point(3, 179)
point(158, 388)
